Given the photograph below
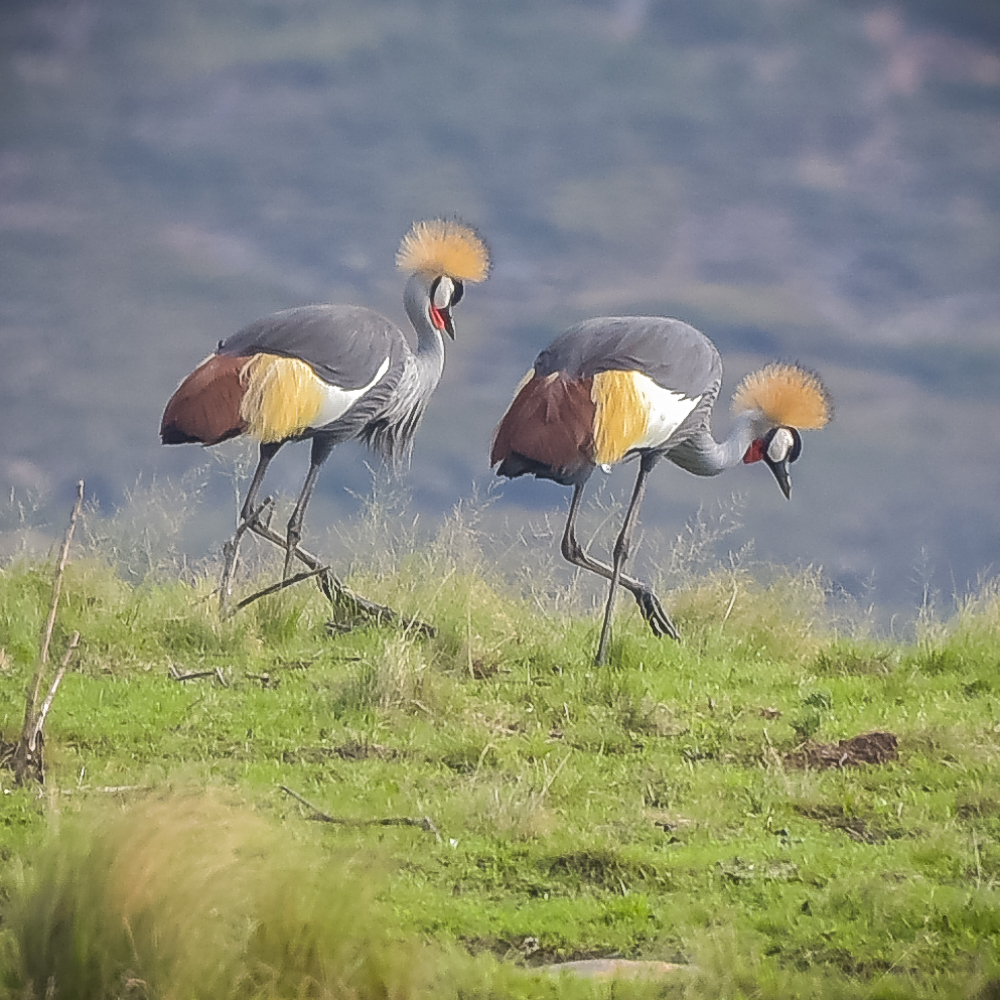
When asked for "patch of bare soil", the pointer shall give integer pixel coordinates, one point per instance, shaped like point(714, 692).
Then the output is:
point(856, 827)
point(868, 748)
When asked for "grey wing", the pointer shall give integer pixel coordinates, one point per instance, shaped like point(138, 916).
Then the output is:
point(672, 353)
point(344, 345)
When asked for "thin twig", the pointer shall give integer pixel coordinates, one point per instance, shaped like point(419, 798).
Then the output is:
point(231, 552)
point(50, 697)
point(732, 604)
point(43, 656)
point(192, 675)
point(105, 789)
point(334, 588)
point(425, 823)
point(265, 531)
point(280, 585)
point(27, 758)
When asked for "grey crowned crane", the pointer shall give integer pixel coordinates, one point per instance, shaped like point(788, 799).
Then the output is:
point(329, 373)
point(621, 387)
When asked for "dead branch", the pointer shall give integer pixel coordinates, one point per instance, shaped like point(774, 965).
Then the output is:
point(27, 756)
point(280, 585)
point(192, 675)
point(50, 697)
point(231, 550)
point(333, 588)
point(43, 656)
point(105, 789)
point(425, 823)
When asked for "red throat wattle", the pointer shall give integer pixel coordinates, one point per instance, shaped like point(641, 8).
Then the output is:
point(755, 452)
point(437, 318)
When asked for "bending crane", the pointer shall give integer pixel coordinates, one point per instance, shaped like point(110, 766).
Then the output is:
point(615, 388)
point(329, 373)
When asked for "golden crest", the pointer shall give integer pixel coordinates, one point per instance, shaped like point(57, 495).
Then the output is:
point(444, 246)
point(787, 394)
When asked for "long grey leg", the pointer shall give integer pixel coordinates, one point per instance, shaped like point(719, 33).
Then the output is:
point(267, 452)
point(620, 554)
point(321, 449)
point(649, 605)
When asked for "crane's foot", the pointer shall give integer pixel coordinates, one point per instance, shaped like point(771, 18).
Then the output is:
point(659, 621)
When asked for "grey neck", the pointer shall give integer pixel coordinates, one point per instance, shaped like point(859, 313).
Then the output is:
point(704, 456)
point(430, 345)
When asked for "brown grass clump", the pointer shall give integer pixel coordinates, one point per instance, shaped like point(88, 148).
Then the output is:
point(189, 897)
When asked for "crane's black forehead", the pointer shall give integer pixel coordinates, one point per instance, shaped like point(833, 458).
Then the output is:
point(672, 353)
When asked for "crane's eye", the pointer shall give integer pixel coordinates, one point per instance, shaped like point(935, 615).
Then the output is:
point(443, 293)
point(458, 293)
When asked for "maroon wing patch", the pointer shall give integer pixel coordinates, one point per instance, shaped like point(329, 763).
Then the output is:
point(206, 406)
point(548, 430)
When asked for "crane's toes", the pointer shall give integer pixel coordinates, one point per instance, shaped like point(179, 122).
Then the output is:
point(652, 611)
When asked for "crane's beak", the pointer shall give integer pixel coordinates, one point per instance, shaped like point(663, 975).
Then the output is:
point(781, 473)
point(449, 323)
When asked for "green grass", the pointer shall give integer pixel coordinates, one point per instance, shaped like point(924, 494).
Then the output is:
point(649, 809)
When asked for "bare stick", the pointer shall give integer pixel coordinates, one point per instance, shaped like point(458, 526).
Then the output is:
point(231, 550)
point(193, 675)
point(265, 531)
point(335, 590)
point(50, 697)
point(43, 657)
point(106, 789)
point(275, 587)
point(425, 823)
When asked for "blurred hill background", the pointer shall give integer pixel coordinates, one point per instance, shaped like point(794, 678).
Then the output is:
point(809, 179)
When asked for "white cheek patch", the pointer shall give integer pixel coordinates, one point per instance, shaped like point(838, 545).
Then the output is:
point(444, 293)
point(781, 445)
point(337, 401)
point(666, 410)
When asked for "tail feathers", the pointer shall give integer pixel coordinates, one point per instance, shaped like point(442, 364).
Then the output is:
point(548, 431)
point(205, 409)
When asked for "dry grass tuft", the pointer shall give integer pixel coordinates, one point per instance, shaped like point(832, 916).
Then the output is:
point(190, 897)
point(786, 617)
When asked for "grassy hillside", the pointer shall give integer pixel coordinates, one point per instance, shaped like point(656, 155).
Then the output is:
point(691, 803)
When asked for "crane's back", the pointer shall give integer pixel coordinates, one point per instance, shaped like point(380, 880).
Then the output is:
point(672, 353)
point(596, 392)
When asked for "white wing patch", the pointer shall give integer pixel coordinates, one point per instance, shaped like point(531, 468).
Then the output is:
point(336, 401)
point(666, 410)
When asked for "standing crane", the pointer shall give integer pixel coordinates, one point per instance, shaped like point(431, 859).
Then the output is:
point(623, 387)
point(329, 373)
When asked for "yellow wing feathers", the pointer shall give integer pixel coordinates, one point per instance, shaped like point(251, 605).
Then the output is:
point(621, 417)
point(444, 246)
point(283, 397)
point(788, 396)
